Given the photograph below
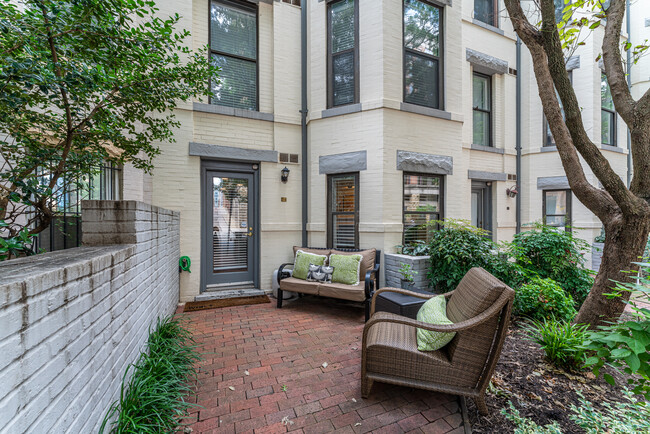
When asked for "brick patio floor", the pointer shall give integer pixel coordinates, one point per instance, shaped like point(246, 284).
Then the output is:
point(263, 372)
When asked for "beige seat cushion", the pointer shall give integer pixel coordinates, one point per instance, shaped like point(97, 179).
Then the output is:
point(342, 291)
point(325, 252)
point(367, 260)
point(298, 285)
point(476, 292)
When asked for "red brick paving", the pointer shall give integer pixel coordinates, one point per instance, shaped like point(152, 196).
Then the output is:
point(262, 373)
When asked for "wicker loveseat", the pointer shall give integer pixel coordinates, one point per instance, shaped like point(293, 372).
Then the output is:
point(368, 278)
point(480, 309)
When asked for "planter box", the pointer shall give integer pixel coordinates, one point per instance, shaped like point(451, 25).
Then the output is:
point(393, 262)
point(596, 256)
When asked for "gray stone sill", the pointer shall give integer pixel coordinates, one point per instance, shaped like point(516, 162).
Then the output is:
point(229, 111)
point(426, 111)
point(548, 149)
point(612, 148)
point(488, 27)
point(487, 149)
point(341, 110)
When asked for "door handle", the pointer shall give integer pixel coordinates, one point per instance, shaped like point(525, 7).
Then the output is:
point(250, 234)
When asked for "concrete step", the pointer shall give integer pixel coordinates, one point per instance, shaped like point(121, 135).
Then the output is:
point(229, 293)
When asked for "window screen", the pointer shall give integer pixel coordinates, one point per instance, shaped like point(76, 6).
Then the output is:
point(233, 47)
point(422, 53)
point(422, 203)
point(343, 206)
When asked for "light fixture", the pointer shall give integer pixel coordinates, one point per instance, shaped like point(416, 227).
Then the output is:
point(284, 174)
point(512, 191)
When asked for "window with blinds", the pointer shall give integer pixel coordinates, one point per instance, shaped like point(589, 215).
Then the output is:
point(233, 48)
point(422, 54)
point(343, 211)
point(422, 204)
point(342, 59)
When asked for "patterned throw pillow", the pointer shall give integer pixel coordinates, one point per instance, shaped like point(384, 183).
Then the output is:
point(302, 261)
point(434, 311)
point(346, 268)
point(320, 273)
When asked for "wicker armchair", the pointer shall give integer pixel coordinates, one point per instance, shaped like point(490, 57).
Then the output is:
point(480, 309)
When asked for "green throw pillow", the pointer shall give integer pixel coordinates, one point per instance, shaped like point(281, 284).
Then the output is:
point(434, 311)
point(302, 261)
point(346, 268)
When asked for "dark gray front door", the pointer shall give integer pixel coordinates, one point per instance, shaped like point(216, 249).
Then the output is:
point(482, 206)
point(229, 229)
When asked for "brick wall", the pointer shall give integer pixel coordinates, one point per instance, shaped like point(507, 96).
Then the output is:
point(393, 262)
point(71, 321)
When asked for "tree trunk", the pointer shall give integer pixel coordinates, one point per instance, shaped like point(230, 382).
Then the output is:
point(625, 240)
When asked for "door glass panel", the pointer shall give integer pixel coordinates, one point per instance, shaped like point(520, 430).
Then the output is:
point(344, 208)
point(230, 224)
point(343, 231)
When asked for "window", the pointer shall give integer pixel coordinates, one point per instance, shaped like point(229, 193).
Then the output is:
point(422, 54)
point(557, 208)
point(64, 231)
point(343, 211)
point(342, 59)
point(422, 204)
point(548, 136)
point(482, 104)
point(487, 11)
point(233, 48)
point(607, 114)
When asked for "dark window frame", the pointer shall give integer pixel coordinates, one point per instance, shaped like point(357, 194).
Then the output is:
point(330, 63)
point(489, 112)
point(439, 58)
point(567, 215)
point(331, 213)
point(250, 7)
point(611, 113)
point(495, 14)
point(441, 200)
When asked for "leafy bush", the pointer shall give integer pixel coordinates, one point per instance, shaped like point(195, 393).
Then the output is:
point(414, 248)
point(626, 345)
point(153, 400)
point(457, 247)
point(555, 254)
point(561, 341)
point(630, 416)
point(22, 244)
point(544, 298)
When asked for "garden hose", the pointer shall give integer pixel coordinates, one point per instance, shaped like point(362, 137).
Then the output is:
point(184, 264)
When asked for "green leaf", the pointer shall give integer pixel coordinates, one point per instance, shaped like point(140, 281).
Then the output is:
point(609, 379)
point(633, 362)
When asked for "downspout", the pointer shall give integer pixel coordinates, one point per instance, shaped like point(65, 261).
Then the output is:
point(629, 85)
point(518, 136)
point(303, 113)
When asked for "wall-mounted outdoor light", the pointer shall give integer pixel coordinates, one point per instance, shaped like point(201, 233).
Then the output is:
point(284, 174)
point(512, 191)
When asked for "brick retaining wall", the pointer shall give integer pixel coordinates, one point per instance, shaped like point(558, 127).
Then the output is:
point(71, 321)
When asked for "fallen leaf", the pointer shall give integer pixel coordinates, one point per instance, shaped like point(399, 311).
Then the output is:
point(246, 372)
point(547, 389)
point(531, 395)
point(354, 400)
point(286, 421)
point(357, 424)
point(231, 388)
point(324, 365)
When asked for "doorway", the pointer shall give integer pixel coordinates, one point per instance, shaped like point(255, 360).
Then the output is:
point(482, 205)
point(230, 226)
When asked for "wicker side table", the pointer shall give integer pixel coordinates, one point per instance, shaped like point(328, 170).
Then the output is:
point(400, 304)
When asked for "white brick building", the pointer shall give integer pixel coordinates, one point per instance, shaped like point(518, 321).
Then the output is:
point(411, 116)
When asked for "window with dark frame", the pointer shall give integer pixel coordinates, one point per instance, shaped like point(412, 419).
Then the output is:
point(487, 11)
point(343, 211)
point(557, 208)
point(422, 203)
point(607, 113)
point(423, 50)
point(342, 53)
point(482, 109)
point(233, 48)
point(548, 135)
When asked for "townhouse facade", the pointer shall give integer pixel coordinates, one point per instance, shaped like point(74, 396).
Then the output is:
point(408, 113)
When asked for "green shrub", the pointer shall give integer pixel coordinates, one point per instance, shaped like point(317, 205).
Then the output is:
point(414, 248)
point(457, 247)
point(561, 341)
point(557, 255)
point(22, 244)
point(153, 401)
point(543, 298)
point(626, 345)
point(630, 416)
